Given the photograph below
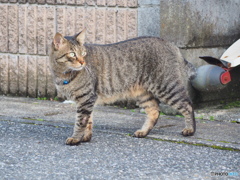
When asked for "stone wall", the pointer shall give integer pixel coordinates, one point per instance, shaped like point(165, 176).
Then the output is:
point(28, 26)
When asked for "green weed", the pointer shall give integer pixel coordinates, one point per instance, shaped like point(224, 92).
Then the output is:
point(179, 116)
point(200, 117)
point(197, 144)
point(211, 118)
point(232, 105)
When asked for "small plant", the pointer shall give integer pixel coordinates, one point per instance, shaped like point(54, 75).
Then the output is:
point(45, 98)
point(129, 134)
point(42, 98)
point(179, 116)
point(200, 117)
point(211, 118)
point(235, 122)
point(232, 105)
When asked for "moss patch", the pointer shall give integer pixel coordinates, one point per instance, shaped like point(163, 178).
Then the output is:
point(196, 144)
point(32, 119)
point(232, 105)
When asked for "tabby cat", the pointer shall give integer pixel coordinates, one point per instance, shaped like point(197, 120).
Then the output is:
point(146, 69)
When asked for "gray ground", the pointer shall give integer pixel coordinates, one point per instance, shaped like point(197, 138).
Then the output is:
point(33, 132)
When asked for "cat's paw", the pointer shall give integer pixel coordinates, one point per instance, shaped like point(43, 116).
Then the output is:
point(87, 137)
point(188, 132)
point(140, 134)
point(72, 141)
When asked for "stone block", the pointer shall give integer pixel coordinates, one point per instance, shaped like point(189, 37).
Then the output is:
point(41, 76)
point(50, 27)
point(132, 3)
point(41, 30)
point(22, 1)
point(22, 32)
point(80, 19)
point(12, 1)
point(90, 25)
point(121, 25)
point(193, 23)
point(70, 21)
point(90, 2)
point(22, 74)
point(13, 28)
point(41, 1)
point(60, 1)
point(80, 2)
point(101, 2)
point(61, 19)
point(110, 26)
point(3, 28)
point(100, 26)
point(32, 29)
point(122, 3)
point(50, 1)
point(71, 2)
point(32, 76)
point(111, 3)
point(13, 74)
point(4, 83)
point(51, 89)
point(32, 1)
point(132, 23)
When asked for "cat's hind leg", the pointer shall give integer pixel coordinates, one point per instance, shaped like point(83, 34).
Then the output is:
point(150, 104)
point(176, 96)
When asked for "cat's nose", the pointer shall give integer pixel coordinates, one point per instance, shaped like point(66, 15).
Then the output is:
point(81, 61)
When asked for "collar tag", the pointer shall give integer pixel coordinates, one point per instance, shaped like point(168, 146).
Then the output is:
point(65, 82)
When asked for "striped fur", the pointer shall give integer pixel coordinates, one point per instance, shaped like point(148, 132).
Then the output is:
point(146, 69)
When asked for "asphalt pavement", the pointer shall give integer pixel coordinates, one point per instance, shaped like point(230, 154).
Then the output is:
point(33, 133)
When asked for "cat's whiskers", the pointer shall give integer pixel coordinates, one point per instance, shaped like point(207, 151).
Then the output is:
point(88, 71)
point(71, 74)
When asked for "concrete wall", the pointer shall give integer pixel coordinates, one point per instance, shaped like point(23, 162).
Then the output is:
point(200, 27)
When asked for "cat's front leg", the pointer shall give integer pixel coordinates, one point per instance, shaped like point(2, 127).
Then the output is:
point(83, 125)
point(82, 131)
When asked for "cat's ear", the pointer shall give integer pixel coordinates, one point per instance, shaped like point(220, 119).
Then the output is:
point(58, 41)
point(80, 37)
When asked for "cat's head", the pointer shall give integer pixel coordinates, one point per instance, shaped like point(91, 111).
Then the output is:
point(68, 52)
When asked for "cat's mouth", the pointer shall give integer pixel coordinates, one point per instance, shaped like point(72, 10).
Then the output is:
point(78, 68)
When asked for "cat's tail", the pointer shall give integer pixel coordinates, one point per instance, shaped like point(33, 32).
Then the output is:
point(190, 70)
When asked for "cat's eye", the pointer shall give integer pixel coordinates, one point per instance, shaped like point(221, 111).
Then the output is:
point(72, 54)
point(84, 53)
